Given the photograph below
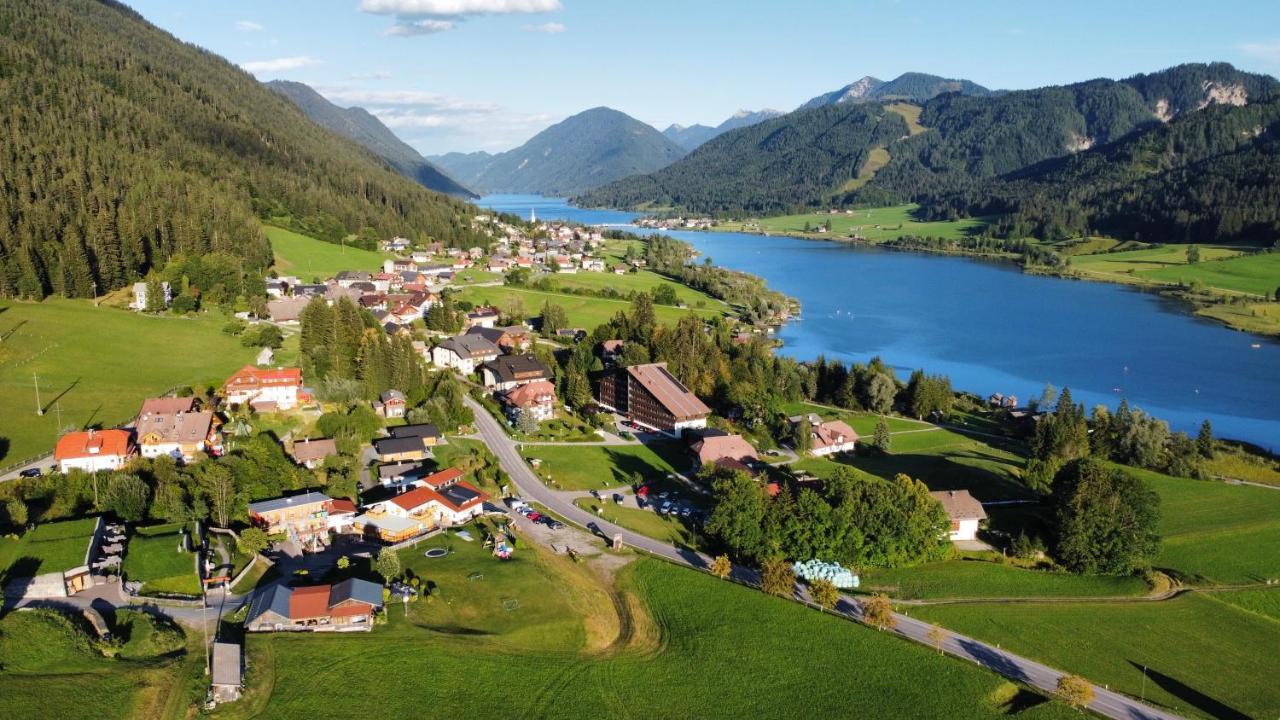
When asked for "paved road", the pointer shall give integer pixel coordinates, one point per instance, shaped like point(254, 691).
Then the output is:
point(40, 464)
point(1014, 667)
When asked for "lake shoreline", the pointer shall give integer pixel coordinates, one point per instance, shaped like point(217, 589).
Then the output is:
point(1200, 307)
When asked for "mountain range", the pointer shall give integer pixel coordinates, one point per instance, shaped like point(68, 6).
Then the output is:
point(912, 87)
point(590, 149)
point(125, 148)
point(1022, 152)
point(691, 136)
point(359, 125)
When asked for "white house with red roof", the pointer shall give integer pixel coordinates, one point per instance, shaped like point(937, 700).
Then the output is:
point(538, 399)
point(265, 389)
point(440, 500)
point(94, 450)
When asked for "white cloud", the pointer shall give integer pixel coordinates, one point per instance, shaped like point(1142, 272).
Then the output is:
point(1265, 51)
point(376, 75)
point(279, 64)
point(249, 26)
point(457, 8)
point(419, 27)
point(416, 99)
point(551, 28)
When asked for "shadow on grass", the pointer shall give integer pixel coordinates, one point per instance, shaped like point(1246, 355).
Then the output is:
point(1186, 693)
point(940, 472)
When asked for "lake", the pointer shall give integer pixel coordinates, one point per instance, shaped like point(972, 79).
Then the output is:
point(992, 328)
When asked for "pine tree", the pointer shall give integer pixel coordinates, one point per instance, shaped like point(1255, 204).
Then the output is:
point(1204, 441)
point(882, 439)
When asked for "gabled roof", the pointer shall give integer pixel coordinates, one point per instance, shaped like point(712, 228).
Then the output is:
point(668, 391)
point(93, 443)
point(396, 445)
point(717, 448)
point(309, 602)
point(166, 405)
point(249, 377)
point(457, 496)
point(470, 346)
point(513, 368)
point(392, 395)
point(274, 598)
point(226, 664)
point(356, 589)
point(833, 432)
point(960, 505)
point(280, 503)
point(317, 449)
point(342, 506)
point(175, 427)
point(418, 430)
point(401, 470)
point(531, 394)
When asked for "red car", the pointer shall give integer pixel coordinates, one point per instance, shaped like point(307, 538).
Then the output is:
point(534, 516)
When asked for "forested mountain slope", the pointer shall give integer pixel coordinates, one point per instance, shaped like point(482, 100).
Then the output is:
point(590, 149)
point(911, 86)
point(962, 143)
point(124, 146)
point(359, 125)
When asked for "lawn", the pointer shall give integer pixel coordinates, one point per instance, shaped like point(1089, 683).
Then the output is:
point(874, 225)
point(96, 365)
point(47, 667)
point(50, 547)
point(981, 579)
point(943, 461)
point(311, 259)
point(1135, 265)
point(1265, 602)
point(583, 311)
point(1217, 533)
point(592, 467)
point(863, 423)
point(690, 646)
point(1204, 658)
point(152, 558)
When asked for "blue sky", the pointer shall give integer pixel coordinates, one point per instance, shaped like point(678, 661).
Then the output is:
point(488, 74)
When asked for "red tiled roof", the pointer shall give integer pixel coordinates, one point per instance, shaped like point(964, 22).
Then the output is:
point(309, 602)
point(341, 505)
point(252, 377)
point(833, 432)
point(444, 477)
point(716, 448)
point(427, 493)
point(94, 443)
point(531, 394)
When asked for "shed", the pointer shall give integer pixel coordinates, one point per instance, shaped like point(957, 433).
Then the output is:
point(227, 675)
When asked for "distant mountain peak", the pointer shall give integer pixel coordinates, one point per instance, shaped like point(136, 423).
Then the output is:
point(912, 86)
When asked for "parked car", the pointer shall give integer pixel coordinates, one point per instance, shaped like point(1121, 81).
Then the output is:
point(666, 508)
point(556, 525)
point(617, 497)
point(534, 516)
point(30, 473)
point(684, 512)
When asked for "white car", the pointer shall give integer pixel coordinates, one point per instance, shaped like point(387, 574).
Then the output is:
point(666, 507)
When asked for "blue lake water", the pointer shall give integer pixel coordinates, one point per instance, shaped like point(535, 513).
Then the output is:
point(993, 329)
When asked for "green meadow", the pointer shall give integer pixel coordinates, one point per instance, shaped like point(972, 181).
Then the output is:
point(49, 547)
point(97, 364)
point(501, 640)
point(309, 259)
point(152, 558)
point(592, 467)
point(583, 311)
point(634, 282)
point(873, 224)
point(1257, 274)
point(985, 579)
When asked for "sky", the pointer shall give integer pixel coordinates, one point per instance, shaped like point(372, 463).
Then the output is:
point(466, 75)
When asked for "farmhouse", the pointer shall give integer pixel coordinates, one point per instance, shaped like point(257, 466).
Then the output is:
point(511, 371)
point(311, 453)
point(93, 450)
point(965, 513)
point(265, 389)
point(464, 353)
point(303, 518)
point(348, 605)
point(172, 426)
point(287, 310)
point(538, 399)
point(482, 317)
point(650, 396)
point(727, 451)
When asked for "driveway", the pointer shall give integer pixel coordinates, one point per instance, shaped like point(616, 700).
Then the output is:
point(1014, 667)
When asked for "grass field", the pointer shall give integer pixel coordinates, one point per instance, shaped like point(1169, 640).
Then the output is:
point(583, 311)
point(152, 558)
point(50, 547)
point(875, 225)
point(688, 646)
point(96, 365)
point(636, 282)
point(1217, 533)
point(1204, 658)
point(308, 258)
point(980, 579)
point(1265, 602)
point(1149, 264)
point(1254, 274)
point(592, 467)
point(48, 668)
point(863, 423)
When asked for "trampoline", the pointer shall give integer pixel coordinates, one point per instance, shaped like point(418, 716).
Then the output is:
point(436, 552)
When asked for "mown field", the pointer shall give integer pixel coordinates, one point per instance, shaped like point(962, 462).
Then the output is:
point(981, 579)
point(97, 364)
point(1203, 658)
point(875, 225)
point(634, 282)
point(507, 645)
point(311, 259)
point(152, 558)
point(583, 311)
point(1254, 274)
point(593, 467)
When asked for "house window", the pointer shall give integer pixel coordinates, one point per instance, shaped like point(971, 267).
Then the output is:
point(955, 526)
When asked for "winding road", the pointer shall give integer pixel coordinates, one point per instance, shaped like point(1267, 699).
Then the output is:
point(1105, 702)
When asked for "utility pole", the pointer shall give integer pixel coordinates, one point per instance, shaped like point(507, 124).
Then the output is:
point(95, 293)
point(58, 407)
point(39, 407)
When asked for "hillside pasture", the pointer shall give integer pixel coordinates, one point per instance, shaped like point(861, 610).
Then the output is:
point(873, 224)
point(583, 311)
point(311, 259)
point(1256, 274)
point(97, 364)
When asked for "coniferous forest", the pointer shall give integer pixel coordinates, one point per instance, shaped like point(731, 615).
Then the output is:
point(124, 147)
